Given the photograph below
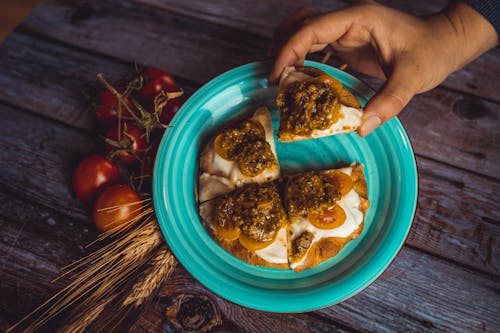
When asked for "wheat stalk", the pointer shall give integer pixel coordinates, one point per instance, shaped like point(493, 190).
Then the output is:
point(83, 321)
point(101, 274)
point(162, 266)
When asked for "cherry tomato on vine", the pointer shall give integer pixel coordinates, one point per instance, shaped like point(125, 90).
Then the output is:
point(117, 208)
point(156, 73)
point(92, 175)
point(155, 81)
point(126, 144)
point(170, 110)
point(106, 113)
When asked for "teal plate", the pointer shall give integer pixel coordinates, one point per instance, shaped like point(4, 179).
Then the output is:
point(392, 190)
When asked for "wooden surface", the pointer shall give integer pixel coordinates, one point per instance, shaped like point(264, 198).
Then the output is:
point(446, 278)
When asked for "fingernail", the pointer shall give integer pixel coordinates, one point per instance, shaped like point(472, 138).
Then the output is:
point(370, 124)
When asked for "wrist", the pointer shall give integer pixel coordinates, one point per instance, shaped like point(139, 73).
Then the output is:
point(472, 33)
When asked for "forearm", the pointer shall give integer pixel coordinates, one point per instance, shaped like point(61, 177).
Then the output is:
point(472, 32)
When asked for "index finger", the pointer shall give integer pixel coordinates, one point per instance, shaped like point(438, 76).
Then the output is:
point(324, 29)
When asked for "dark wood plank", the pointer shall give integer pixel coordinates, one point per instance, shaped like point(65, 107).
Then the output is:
point(38, 157)
point(418, 293)
point(474, 146)
point(36, 243)
point(480, 78)
point(457, 216)
point(184, 289)
point(469, 244)
point(262, 16)
point(60, 82)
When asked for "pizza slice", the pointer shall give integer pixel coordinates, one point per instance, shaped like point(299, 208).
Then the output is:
point(250, 223)
point(326, 209)
point(313, 104)
point(241, 154)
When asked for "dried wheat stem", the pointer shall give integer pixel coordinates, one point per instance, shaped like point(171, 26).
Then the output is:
point(105, 275)
point(83, 321)
point(162, 266)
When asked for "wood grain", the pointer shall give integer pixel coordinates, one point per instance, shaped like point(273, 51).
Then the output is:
point(261, 17)
point(475, 146)
point(454, 208)
point(38, 157)
point(36, 243)
point(423, 294)
point(59, 82)
point(404, 296)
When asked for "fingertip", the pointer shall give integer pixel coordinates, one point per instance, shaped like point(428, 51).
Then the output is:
point(275, 74)
point(369, 123)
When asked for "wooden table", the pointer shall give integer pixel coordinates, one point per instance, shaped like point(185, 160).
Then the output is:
point(444, 279)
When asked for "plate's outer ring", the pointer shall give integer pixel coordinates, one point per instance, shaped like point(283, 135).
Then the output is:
point(262, 288)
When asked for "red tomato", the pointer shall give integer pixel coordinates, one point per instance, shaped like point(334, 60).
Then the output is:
point(128, 145)
point(117, 208)
point(92, 175)
point(156, 73)
point(170, 110)
point(106, 112)
point(155, 81)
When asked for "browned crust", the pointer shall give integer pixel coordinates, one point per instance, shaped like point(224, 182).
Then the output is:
point(325, 249)
point(235, 248)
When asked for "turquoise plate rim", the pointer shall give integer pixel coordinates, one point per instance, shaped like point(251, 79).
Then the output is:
point(289, 300)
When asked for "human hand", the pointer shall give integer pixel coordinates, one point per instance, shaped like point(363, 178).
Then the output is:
point(414, 54)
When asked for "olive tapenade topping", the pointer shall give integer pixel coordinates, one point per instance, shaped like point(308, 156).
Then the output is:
point(301, 244)
point(308, 105)
point(246, 144)
point(309, 191)
point(256, 157)
point(256, 209)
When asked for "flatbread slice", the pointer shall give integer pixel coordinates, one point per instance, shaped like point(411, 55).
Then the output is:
point(326, 209)
point(314, 104)
point(250, 223)
point(241, 154)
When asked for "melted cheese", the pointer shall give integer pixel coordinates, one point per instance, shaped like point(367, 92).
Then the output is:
point(276, 252)
point(231, 170)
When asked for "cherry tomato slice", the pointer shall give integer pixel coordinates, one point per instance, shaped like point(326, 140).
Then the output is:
point(342, 181)
point(328, 219)
point(251, 244)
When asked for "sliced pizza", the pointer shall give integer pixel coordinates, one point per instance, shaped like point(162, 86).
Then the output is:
point(313, 104)
point(326, 209)
point(241, 154)
point(250, 223)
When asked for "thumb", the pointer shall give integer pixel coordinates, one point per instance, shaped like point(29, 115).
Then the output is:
point(388, 102)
